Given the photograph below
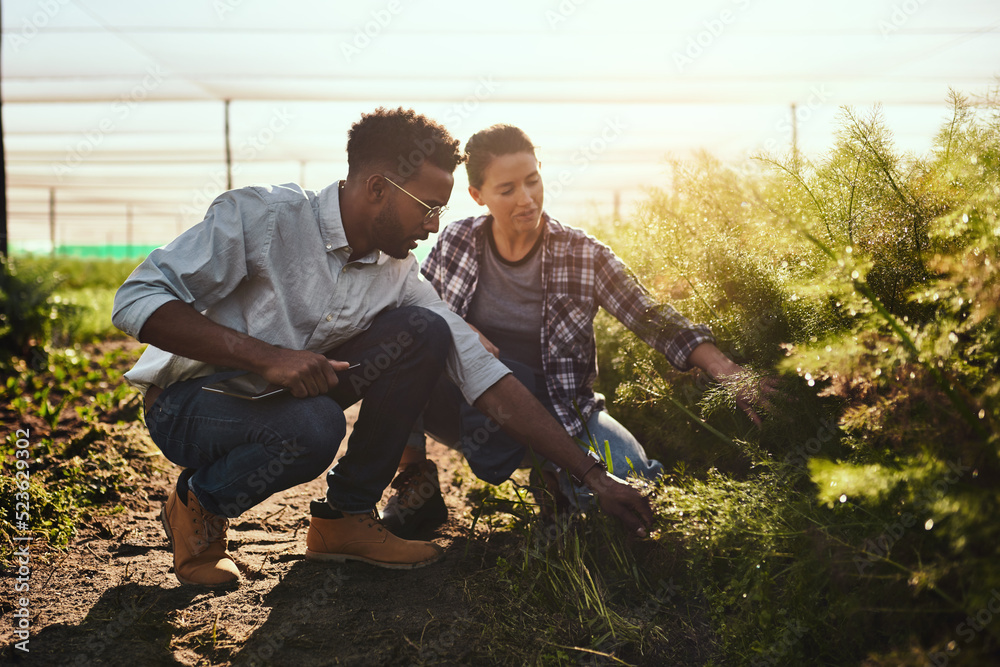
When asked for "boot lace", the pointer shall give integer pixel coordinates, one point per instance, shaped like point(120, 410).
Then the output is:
point(210, 528)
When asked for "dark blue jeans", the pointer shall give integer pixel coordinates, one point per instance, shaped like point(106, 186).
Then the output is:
point(243, 451)
point(493, 455)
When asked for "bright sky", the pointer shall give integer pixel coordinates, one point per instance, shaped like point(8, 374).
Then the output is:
point(119, 106)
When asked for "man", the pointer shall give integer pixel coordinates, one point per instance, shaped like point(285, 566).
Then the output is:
point(317, 293)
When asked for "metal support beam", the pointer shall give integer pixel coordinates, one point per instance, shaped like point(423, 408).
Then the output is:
point(229, 153)
point(128, 230)
point(52, 219)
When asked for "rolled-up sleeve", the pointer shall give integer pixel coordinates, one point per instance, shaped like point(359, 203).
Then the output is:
point(658, 324)
point(469, 365)
point(199, 267)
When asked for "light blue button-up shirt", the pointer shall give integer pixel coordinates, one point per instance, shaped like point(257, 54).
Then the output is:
point(272, 262)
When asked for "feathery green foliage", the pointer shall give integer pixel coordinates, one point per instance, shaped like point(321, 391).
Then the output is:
point(859, 522)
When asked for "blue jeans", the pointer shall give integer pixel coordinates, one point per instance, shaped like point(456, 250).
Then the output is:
point(494, 456)
point(627, 457)
point(243, 451)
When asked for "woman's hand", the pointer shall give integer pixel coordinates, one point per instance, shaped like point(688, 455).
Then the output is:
point(751, 392)
point(490, 347)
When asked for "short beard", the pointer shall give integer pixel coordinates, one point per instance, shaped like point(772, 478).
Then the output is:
point(387, 230)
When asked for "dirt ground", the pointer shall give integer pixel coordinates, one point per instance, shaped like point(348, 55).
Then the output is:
point(112, 598)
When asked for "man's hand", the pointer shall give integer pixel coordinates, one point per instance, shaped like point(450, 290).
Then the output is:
point(305, 373)
point(521, 416)
point(620, 500)
point(178, 328)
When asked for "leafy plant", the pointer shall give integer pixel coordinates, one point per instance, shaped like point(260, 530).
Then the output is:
point(30, 314)
point(868, 282)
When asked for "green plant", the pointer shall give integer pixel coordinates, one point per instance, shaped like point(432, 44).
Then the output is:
point(83, 464)
point(868, 281)
point(31, 315)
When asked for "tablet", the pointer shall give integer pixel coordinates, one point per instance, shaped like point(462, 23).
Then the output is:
point(248, 386)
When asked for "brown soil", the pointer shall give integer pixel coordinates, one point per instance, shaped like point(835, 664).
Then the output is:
point(111, 598)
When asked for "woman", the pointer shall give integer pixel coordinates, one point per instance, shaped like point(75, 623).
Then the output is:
point(531, 287)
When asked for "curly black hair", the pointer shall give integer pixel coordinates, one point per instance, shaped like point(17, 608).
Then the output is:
point(490, 143)
point(399, 141)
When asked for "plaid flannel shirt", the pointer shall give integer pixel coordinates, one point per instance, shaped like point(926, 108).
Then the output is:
point(579, 274)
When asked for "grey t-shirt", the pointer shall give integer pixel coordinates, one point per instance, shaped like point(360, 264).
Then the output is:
point(507, 304)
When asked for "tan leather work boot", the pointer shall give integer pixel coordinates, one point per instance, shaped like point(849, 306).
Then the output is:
point(198, 538)
point(362, 537)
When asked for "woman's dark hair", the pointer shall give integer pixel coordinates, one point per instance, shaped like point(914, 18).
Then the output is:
point(485, 145)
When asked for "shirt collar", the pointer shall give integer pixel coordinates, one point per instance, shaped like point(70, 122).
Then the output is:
point(331, 225)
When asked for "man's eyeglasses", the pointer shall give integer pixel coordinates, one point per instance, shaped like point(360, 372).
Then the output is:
point(432, 211)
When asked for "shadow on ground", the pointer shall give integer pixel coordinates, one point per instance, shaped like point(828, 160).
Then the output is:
point(315, 614)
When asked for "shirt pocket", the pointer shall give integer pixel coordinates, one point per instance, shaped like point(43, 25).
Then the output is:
point(571, 327)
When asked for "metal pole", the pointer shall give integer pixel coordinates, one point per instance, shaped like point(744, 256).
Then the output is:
point(128, 231)
point(673, 182)
point(3, 189)
point(795, 138)
point(52, 219)
point(229, 154)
